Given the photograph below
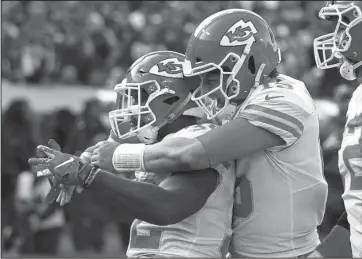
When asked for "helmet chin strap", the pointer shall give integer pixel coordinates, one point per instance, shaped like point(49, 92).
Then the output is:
point(258, 75)
point(149, 134)
point(348, 70)
point(227, 114)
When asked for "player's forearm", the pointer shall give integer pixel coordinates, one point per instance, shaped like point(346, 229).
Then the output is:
point(109, 205)
point(174, 155)
point(143, 201)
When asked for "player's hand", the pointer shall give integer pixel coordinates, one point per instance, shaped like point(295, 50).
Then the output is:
point(48, 157)
point(67, 173)
point(103, 153)
point(64, 167)
point(66, 193)
point(55, 185)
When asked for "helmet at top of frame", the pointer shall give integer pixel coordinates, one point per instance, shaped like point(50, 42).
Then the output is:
point(241, 46)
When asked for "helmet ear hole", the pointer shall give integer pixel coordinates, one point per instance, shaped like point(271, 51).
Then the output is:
point(355, 13)
point(251, 65)
point(234, 89)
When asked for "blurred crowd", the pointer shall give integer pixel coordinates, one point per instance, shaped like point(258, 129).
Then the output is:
point(93, 43)
point(30, 226)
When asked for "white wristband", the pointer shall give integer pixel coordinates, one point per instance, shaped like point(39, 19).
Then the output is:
point(129, 157)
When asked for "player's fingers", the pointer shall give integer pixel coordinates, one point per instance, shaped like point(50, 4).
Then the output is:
point(62, 201)
point(91, 149)
point(95, 159)
point(48, 151)
point(45, 149)
point(79, 189)
point(64, 198)
point(37, 161)
point(60, 196)
point(44, 173)
point(96, 151)
point(54, 145)
point(40, 153)
point(69, 197)
point(100, 143)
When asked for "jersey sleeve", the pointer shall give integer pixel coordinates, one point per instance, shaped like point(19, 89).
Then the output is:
point(277, 111)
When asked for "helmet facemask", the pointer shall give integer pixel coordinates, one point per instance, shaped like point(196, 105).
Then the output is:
point(229, 91)
point(133, 107)
point(329, 48)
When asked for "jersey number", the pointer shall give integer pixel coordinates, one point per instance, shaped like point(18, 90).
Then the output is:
point(243, 206)
point(352, 155)
point(151, 240)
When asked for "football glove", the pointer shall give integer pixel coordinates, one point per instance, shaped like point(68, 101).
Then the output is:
point(61, 173)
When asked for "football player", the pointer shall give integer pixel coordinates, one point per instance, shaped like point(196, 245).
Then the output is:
point(269, 123)
point(187, 214)
point(342, 48)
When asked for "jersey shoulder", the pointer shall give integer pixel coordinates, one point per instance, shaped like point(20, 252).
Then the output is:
point(281, 107)
point(283, 94)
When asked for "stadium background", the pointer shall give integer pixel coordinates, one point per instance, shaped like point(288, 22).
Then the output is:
point(59, 63)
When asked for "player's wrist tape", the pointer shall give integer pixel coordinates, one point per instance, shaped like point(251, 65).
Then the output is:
point(129, 157)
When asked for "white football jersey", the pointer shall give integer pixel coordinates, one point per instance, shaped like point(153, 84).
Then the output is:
point(281, 192)
point(350, 167)
point(206, 233)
